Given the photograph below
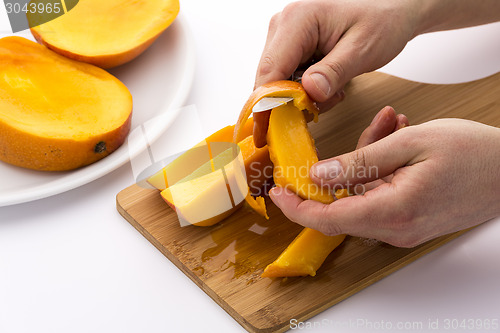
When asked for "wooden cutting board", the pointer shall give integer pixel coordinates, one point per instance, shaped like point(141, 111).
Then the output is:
point(226, 260)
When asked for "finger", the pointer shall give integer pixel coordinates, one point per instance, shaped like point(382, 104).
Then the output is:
point(261, 121)
point(327, 76)
point(293, 40)
point(378, 129)
point(381, 126)
point(304, 212)
point(328, 105)
point(260, 126)
point(370, 186)
point(401, 122)
point(369, 163)
point(273, 26)
point(363, 215)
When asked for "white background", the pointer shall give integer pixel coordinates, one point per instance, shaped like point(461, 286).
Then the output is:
point(71, 263)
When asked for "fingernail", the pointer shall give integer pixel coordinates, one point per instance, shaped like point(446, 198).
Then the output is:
point(276, 190)
point(327, 170)
point(276, 193)
point(321, 83)
point(379, 115)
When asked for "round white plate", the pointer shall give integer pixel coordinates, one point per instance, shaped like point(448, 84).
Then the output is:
point(159, 80)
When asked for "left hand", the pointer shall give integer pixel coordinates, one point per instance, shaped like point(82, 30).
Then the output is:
point(442, 176)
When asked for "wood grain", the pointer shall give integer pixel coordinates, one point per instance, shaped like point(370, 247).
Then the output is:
point(226, 260)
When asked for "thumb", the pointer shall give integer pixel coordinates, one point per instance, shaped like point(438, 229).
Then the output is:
point(323, 79)
point(367, 164)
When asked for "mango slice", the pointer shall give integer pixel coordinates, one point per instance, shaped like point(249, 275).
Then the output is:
point(210, 193)
point(306, 253)
point(293, 153)
point(106, 33)
point(283, 88)
point(189, 161)
point(194, 186)
point(304, 256)
point(56, 113)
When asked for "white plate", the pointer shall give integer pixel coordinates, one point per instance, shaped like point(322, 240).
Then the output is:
point(159, 80)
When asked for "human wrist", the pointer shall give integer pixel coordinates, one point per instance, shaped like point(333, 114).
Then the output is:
point(438, 15)
point(429, 15)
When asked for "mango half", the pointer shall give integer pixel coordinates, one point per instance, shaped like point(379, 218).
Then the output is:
point(106, 33)
point(57, 114)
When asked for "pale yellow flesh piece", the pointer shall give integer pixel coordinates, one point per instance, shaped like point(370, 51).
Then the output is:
point(185, 167)
point(202, 197)
point(181, 167)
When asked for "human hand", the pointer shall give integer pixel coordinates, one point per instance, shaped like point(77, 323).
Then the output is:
point(443, 178)
point(350, 37)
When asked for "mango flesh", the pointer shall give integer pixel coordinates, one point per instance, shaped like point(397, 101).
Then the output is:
point(194, 186)
point(293, 153)
point(306, 253)
point(283, 88)
point(107, 33)
point(210, 193)
point(56, 113)
point(189, 161)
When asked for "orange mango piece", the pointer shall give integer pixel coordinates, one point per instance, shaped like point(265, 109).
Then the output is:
point(304, 256)
point(293, 153)
point(307, 252)
point(282, 88)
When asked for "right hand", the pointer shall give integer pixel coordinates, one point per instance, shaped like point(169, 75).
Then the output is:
point(354, 37)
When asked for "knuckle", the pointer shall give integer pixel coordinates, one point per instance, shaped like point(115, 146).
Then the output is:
point(337, 70)
point(327, 226)
point(269, 68)
point(292, 9)
point(357, 160)
point(266, 64)
point(405, 229)
point(274, 22)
